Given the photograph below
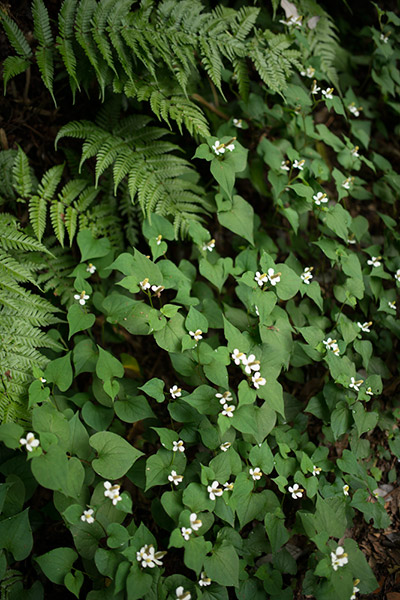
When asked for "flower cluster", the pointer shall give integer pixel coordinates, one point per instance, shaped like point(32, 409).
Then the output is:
point(270, 276)
point(365, 326)
point(293, 21)
point(175, 391)
point(148, 557)
point(175, 478)
point(82, 297)
point(112, 492)
point(355, 384)
point(309, 72)
point(220, 148)
point(256, 473)
point(331, 344)
point(30, 442)
point(178, 446)
point(306, 276)
point(320, 198)
point(296, 491)
point(354, 110)
point(182, 594)
point(91, 268)
point(146, 285)
point(88, 516)
point(339, 558)
point(204, 580)
point(196, 335)
point(214, 490)
point(374, 261)
point(250, 364)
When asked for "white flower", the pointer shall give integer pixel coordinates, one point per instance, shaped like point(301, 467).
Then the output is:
point(82, 297)
point(30, 442)
point(320, 198)
point(392, 305)
point(158, 239)
point(355, 589)
point(228, 410)
point(309, 72)
point(157, 289)
point(285, 165)
point(331, 344)
point(306, 276)
point(316, 470)
point(214, 490)
point(225, 397)
point(315, 89)
point(354, 110)
point(347, 183)
point(369, 391)
point(296, 491)
point(225, 446)
point(238, 357)
point(299, 164)
point(148, 557)
point(346, 489)
point(195, 522)
point(374, 261)
point(42, 379)
point(230, 147)
point(178, 446)
point(261, 278)
point(328, 93)
point(218, 148)
point(355, 384)
point(112, 492)
point(256, 473)
point(197, 335)
point(174, 478)
point(339, 558)
point(365, 326)
point(354, 151)
point(145, 284)
point(273, 277)
point(397, 275)
point(228, 486)
point(87, 516)
point(181, 594)
point(257, 311)
point(175, 391)
point(186, 531)
point(204, 580)
point(251, 364)
point(293, 21)
point(209, 245)
point(238, 123)
point(384, 38)
point(351, 241)
point(257, 380)
point(91, 268)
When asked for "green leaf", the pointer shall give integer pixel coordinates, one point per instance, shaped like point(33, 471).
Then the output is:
point(223, 565)
point(108, 366)
point(55, 471)
point(73, 582)
point(138, 583)
point(91, 247)
point(239, 219)
point(170, 337)
point(16, 535)
point(115, 456)
point(57, 563)
point(224, 173)
point(78, 319)
point(154, 388)
point(365, 421)
point(59, 372)
point(132, 409)
point(10, 434)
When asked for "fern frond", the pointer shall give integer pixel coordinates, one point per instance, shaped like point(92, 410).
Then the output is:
point(22, 180)
point(324, 44)
point(50, 181)
point(37, 215)
point(15, 36)
point(57, 220)
point(13, 66)
point(13, 239)
point(41, 23)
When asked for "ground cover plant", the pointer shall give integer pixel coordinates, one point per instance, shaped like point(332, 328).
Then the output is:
point(199, 275)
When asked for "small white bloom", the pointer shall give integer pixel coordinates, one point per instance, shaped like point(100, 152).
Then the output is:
point(204, 580)
point(369, 391)
point(257, 380)
point(397, 275)
point(158, 239)
point(218, 148)
point(355, 589)
point(175, 391)
point(346, 489)
point(145, 284)
point(320, 198)
point(299, 164)
point(374, 261)
point(112, 492)
point(186, 531)
point(293, 21)
point(316, 470)
point(309, 72)
point(181, 594)
point(148, 557)
point(355, 384)
point(87, 516)
point(315, 89)
point(392, 305)
point(354, 152)
point(365, 326)
point(82, 297)
point(296, 491)
point(228, 410)
point(195, 522)
point(225, 446)
point(347, 183)
point(225, 397)
point(351, 241)
point(230, 147)
point(238, 357)
point(174, 478)
point(30, 441)
point(306, 276)
point(157, 289)
point(91, 268)
point(256, 473)
point(257, 311)
point(328, 93)
point(251, 364)
point(209, 245)
point(42, 379)
point(197, 335)
point(384, 38)
point(285, 165)
point(273, 277)
point(214, 490)
point(261, 278)
point(228, 486)
point(238, 123)
point(178, 446)
point(339, 558)
point(354, 110)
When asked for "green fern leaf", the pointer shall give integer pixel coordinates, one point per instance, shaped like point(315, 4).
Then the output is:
point(13, 66)
point(66, 18)
point(71, 221)
point(37, 215)
point(44, 59)
point(22, 180)
point(50, 181)
point(15, 36)
point(41, 23)
point(57, 220)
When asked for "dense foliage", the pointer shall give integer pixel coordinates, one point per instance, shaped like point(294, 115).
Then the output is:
point(198, 324)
